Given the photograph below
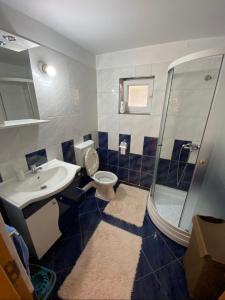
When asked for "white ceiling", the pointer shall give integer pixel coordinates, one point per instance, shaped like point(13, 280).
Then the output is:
point(108, 25)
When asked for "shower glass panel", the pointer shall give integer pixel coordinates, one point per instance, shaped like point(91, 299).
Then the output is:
point(206, 195)
point(190, 92)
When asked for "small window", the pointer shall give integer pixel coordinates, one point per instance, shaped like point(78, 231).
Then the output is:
point(136, 94)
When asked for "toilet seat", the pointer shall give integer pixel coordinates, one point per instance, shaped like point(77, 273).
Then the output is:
point(105, 178)
point(91, 161)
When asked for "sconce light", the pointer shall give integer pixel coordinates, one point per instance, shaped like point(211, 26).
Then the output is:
point(49, 70)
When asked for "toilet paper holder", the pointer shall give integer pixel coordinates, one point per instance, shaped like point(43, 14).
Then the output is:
point(123, 147)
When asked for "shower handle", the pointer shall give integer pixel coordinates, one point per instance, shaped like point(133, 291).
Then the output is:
point(201, 162)
point(191, 146)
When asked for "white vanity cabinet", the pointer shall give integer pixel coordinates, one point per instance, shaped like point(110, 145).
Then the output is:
point(43, 227)
point(38, 223)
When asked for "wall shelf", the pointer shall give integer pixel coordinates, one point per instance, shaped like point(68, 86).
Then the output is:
point(15, 79)
point(20, 123)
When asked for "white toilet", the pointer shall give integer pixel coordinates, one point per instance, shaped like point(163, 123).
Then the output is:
point(103, 181)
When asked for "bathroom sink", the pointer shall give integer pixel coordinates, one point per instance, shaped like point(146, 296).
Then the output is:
point(52, 178)
point(42, 180)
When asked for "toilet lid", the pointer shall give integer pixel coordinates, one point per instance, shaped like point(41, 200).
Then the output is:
point(91, 161)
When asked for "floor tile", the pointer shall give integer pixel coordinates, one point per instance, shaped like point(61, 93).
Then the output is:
point(116, 222)
point(86, 235)
point(148, 288)
point(148, 228)
point(156, 251)
point(66, 252)
point(143, 267)
point(172, 278)
point(178, 250)
point(73, 230)
point(60, 277)
point(88, 205)
point(101, 203)
point(160, 273)
point(89, 221)
point(90, 193)
point(47, 260)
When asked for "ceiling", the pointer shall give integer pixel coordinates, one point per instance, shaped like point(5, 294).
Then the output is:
point(109, 25)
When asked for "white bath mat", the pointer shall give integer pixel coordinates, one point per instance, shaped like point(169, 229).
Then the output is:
point(106, 268)
point(129, 204)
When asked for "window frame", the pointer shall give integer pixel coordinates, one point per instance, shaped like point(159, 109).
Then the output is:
point(124, 93)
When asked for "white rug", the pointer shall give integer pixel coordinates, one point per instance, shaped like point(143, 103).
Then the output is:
point(129, 204)
point(106, 268)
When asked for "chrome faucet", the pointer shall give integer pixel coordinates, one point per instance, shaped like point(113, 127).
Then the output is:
point(35, 169)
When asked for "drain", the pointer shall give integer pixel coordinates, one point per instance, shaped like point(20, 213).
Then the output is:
point(43, 187)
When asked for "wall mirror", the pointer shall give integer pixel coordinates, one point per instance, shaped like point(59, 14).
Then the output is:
point(17, 94)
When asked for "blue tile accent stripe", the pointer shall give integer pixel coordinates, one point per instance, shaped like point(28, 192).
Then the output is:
point(150, 146)
point(103, 139)
point(38, 157)
point(68, 152)
point(87, 137)
point(177, 150)
point(138, 169)
point(167, 170)
point(132, 168)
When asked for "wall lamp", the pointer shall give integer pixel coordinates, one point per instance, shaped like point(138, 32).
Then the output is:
point(49, 70)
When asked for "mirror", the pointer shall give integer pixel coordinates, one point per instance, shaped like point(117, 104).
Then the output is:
point(17, 93)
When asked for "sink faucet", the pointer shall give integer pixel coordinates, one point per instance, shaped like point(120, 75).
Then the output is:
point(35, 169)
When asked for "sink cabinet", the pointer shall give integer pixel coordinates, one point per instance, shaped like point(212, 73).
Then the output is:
point(43, 222)
point(43, 227)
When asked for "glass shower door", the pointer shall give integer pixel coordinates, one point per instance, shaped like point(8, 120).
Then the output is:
point(190, 91)
point(207, 193)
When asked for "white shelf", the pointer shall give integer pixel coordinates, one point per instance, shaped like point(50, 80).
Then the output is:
point(20, 123)
point(15, 79)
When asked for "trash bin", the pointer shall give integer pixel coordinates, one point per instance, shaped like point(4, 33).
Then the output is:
point(204, 262)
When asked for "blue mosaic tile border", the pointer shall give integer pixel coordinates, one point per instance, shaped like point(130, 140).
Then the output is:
point(87, 137)
point(169, 169)
point(38, 158)
point(68, 152)
point(131, 168)
point(138, 169)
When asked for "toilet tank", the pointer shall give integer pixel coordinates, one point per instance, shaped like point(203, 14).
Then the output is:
point(80, 150)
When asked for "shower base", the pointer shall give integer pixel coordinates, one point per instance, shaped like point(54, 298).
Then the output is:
point(165, 211)
point(169, 203)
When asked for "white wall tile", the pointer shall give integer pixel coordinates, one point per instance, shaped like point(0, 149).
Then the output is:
point(160, 71)
point(157, 102)
point(113, 140)
point(137, 143)
point(69, 101)
point(110, 80)
point(143, 70)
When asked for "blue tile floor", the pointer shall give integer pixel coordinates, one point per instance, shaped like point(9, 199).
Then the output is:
point(160, 274)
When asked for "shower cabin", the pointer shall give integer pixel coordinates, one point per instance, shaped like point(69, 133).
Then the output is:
point(189, 174)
